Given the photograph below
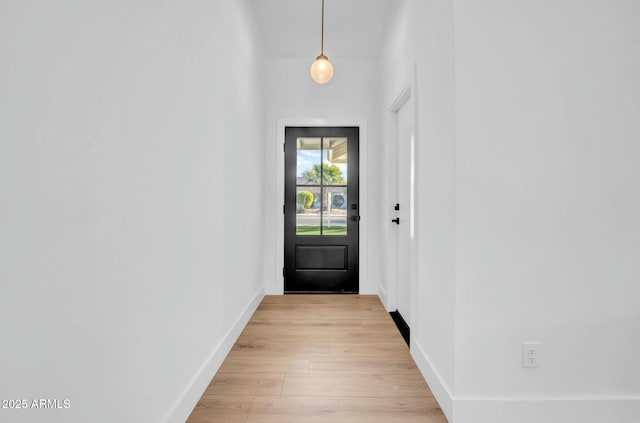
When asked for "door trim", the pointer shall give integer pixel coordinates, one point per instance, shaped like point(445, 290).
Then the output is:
point(275, 285)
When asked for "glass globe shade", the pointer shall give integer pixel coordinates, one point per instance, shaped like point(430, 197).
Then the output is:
point(322, 70)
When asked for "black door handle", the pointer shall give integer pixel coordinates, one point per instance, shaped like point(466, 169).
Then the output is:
point(396, 220)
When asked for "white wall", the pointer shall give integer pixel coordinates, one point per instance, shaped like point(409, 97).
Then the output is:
point(131, 149)
point(528, 125)
point(421, 38)
point(548, 206)
point(351, 98)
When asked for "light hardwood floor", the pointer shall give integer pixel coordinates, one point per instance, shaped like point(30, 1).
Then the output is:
point(318, 359)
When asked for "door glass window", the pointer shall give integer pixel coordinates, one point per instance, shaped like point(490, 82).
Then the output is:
point(321, 186)
point(309, 151)
point(334, 161)
point(308, 213)
point(334, 215)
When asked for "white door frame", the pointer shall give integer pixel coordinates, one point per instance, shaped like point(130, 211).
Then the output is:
point(277, 286)
point(408, 94)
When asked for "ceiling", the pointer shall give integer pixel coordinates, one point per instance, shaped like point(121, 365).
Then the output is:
point(353, 29)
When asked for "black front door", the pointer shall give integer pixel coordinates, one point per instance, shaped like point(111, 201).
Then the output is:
point(321, 216)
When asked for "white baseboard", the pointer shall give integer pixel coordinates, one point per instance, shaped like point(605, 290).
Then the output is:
point(438, 387)
point(181, 410)
point(382, 293)
point(463, 409)
point(547, 410)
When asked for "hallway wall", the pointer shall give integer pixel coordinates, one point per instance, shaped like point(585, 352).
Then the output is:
point(528, 204)
point(547, 210)
point(131, 156)
point(351, 98)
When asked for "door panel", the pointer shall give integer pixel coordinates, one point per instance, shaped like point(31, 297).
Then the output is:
point(405, 234)
point(318, 257)
point(321, 210)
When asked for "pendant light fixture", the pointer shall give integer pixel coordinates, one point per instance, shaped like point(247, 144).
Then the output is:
point(322, 69)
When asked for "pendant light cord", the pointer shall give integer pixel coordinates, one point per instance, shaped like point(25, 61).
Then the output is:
point(322, 36)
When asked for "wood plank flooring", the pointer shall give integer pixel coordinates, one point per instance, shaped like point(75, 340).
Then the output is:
point(318, 359)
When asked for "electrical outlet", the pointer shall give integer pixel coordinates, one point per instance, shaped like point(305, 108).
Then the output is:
point(530, 354)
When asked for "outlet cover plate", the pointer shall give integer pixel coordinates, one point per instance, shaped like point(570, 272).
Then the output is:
point(530, 354)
